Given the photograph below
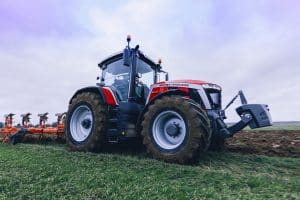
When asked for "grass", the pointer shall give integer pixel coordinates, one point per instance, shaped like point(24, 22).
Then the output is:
point(279, 126)
point(31, 171)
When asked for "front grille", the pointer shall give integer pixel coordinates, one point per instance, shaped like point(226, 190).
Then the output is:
point(214, 97)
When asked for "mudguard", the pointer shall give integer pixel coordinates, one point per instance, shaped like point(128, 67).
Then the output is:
point(90, 89)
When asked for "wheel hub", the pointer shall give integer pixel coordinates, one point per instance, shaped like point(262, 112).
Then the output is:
point(81, 123)
point(169, 130)
point(173, 130)
point(86, 123)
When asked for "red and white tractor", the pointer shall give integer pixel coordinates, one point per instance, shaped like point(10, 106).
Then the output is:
point(177, 120)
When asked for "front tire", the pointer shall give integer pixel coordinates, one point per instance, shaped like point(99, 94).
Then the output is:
point(175, 129)
point(86, 123)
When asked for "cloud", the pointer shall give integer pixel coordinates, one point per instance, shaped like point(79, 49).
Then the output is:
point(49, 49)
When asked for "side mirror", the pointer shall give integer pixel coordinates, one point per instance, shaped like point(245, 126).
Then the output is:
point(126, 57)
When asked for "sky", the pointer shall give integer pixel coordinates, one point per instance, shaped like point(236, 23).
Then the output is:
point(51, 48)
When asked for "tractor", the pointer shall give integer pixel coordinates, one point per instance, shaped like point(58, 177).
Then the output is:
point(176, 120)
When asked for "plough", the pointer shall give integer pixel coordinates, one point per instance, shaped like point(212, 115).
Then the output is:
point(13, 134)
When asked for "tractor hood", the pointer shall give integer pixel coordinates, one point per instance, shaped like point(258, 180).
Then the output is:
point(189, 84)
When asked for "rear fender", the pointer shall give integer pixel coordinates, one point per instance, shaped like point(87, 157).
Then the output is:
point(105, 93)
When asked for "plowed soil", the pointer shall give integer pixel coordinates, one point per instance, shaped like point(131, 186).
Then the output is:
point(274, 143)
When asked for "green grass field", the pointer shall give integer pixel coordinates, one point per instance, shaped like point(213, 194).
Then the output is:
point(32, 171)
point(288, 125)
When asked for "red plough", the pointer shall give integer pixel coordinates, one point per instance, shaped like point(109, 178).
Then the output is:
point(8, 128)
point(13, 134)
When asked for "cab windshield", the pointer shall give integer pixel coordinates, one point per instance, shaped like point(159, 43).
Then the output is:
point(146, 73)
point(117, 76)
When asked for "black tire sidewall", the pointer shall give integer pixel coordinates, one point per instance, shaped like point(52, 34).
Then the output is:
point(196, 138)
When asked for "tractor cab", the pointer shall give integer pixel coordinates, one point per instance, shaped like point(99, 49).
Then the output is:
point(131, 82)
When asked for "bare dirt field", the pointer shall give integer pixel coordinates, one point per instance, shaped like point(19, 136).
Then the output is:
point(274, 143)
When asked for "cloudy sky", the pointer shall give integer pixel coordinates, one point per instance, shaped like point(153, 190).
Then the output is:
point(50, 48)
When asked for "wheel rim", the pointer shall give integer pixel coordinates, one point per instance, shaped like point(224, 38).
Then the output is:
point(169, 130)
point(81, 123)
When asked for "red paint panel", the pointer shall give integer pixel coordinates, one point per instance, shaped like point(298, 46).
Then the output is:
point(184, 89)
point(110, 98)
point(198, 82)
point(156, 91)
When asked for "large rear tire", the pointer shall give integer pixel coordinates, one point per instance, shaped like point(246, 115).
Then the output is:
point(86, 123)
point(175, 129)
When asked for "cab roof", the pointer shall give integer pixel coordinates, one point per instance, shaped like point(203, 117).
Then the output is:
point(119, 55)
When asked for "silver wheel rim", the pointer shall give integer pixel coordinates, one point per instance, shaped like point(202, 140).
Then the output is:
point(160, 130)
point(81, 123)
